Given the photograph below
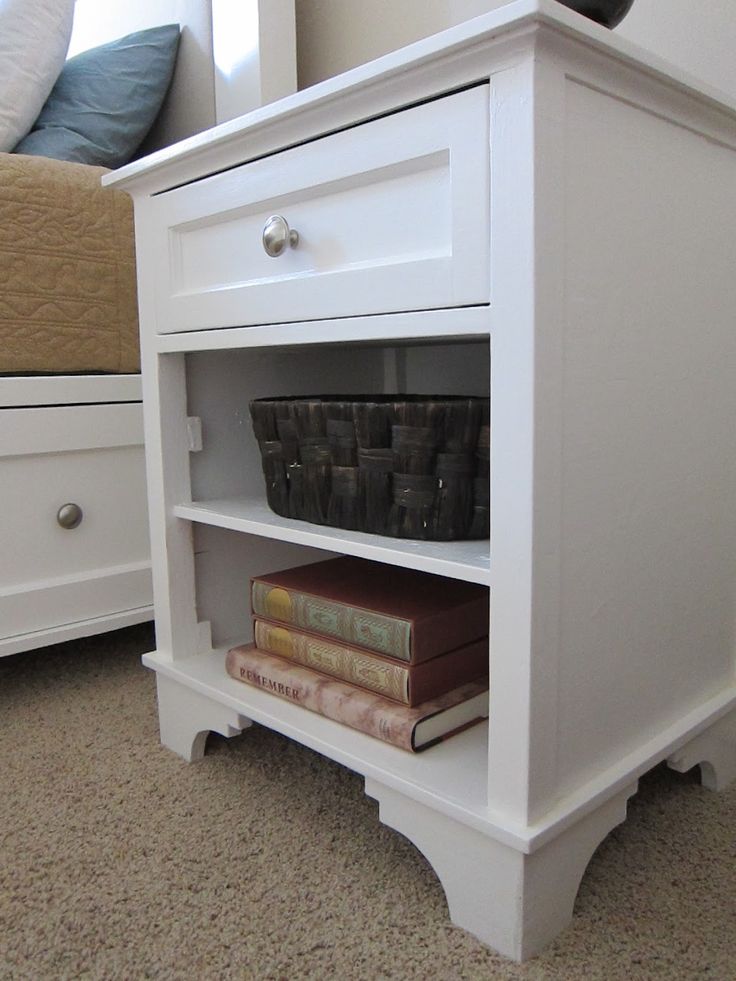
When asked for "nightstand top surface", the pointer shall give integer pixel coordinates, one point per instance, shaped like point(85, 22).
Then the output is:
point(162, 169)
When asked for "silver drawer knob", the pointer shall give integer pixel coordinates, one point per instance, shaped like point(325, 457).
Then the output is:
point(277, 236)
point(69, 515)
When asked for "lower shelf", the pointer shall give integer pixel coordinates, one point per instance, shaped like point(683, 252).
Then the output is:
point(451, 777)
point(513, 894)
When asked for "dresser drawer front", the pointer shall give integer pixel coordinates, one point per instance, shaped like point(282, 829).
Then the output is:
point(89, 456)
point(391, 216)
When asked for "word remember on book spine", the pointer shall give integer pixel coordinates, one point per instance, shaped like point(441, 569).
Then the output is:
point(408, 728)
point(259, 680)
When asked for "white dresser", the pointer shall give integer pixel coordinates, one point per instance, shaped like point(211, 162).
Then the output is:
point(523, 206)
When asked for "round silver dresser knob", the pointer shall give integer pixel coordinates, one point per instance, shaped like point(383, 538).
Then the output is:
point(277, 236)
point(69, 516)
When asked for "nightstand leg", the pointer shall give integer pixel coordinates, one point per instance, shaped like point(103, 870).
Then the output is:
point(513, 901)
point(186, 718)
point(714, 750)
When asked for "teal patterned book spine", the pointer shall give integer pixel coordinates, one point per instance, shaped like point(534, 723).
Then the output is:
point(374, 631)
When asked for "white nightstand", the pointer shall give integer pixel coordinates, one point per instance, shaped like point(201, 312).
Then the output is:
point(525, 206)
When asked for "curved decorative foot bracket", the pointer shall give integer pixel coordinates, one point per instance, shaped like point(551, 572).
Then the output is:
point(186, 718)
point(514, 901)
point(715, 751)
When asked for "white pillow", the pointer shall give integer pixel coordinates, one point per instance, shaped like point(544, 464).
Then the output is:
point(34, 38)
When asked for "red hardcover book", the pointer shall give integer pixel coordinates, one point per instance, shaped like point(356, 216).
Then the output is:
point(412, 729)
point(388, 676)
point(403, 613)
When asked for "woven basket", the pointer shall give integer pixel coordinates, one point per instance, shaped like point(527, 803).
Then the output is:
point(406, 466)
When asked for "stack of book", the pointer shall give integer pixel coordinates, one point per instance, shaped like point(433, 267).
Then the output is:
point(399, 654)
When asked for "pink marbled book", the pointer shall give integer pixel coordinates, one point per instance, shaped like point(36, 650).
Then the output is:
point(412, 729)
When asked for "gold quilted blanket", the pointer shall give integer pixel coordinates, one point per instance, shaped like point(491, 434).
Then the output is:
point(67, 270)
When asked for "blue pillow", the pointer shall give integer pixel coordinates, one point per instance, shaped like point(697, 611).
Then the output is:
point(106, 100)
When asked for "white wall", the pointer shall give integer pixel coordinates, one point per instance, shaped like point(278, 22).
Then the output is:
point(333, 35)
point(697, 35)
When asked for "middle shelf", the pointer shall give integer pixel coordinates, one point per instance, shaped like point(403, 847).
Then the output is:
point(468, 560)
point(224, 486)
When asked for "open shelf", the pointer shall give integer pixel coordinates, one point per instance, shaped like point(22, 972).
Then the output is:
point(450, 776)
point(467, 560)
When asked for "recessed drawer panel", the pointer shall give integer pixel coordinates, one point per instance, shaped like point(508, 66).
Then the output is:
point(73, 477)
point(390, 216)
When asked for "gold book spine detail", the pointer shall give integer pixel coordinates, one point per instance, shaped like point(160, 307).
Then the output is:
point(348, 664)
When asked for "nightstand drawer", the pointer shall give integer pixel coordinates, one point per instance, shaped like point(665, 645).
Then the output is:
point(73, 477)
point(390, 215)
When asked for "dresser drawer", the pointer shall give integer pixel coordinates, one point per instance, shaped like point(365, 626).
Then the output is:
point(391, 215)
point(90, 457)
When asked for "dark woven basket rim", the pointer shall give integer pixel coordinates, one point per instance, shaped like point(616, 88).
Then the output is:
point(375, 399)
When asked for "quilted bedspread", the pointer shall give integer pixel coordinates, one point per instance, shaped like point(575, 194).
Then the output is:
point(67, 270)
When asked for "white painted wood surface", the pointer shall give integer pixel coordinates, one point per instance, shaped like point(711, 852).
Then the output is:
point(58, 583)
point(608, 353)
point(358, 201)
point(17, 391)
point(62, 632)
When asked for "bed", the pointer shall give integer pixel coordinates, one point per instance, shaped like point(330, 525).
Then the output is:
point(74, 531)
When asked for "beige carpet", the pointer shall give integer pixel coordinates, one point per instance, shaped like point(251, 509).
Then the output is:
point(265, 861)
